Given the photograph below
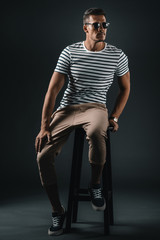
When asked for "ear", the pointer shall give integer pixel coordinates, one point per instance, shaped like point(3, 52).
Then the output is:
point(85, 28)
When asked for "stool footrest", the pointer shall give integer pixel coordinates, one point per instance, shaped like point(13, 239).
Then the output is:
point(82, 195)
point(82, 198)
point(83, 191)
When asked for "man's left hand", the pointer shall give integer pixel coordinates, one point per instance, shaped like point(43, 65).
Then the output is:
point(114, 125)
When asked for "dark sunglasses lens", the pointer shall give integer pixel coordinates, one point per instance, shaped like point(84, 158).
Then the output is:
point(104, 25)
point(96, 25)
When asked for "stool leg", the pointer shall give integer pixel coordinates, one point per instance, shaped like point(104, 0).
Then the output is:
point(107, 188)
point(70, 197)
point(78, 142)
point(80, 133)
point(105, 192)
point(109, 177)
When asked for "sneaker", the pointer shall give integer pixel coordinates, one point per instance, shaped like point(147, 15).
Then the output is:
point(97, 200)
point(57, 226)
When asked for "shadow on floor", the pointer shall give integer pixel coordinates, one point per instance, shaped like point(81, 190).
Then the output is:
point(136, 218)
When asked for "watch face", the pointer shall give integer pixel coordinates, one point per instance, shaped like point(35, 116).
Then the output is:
point(115, 119)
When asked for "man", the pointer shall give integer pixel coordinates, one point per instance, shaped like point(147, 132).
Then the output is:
point(90, 66)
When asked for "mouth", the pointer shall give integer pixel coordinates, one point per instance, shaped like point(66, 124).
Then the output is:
point(100, 34)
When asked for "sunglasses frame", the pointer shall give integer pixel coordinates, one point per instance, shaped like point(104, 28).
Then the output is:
point(99, 24)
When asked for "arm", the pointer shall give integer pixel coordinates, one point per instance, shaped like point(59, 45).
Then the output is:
point(124, 86)
point(56, 83)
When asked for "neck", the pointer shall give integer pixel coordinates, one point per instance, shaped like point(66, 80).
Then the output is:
point(94, 46)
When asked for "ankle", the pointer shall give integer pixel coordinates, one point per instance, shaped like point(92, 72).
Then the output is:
point(92, 183)
point(95, 185)
point(59, 210)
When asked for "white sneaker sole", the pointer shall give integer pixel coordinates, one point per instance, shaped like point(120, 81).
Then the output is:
point(99, 208)
point(56, 233)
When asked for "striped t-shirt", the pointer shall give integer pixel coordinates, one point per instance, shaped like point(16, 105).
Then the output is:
point(90, 73)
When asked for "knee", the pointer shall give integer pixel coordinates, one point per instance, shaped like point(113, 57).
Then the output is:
point(47, 155)
point(41, 156)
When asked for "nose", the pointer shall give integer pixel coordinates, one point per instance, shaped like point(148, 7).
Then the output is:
point(101, 26)
point(101, 29)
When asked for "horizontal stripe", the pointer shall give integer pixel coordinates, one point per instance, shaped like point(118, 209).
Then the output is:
point(90, 73)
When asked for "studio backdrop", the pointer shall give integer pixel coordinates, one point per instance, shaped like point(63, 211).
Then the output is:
point(34, 34)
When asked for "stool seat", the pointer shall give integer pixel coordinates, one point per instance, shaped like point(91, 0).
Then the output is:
point(77, 194)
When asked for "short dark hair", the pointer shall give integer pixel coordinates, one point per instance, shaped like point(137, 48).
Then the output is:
point(92, 11)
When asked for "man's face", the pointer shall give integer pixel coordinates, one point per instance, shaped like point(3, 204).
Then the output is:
point(97, 35)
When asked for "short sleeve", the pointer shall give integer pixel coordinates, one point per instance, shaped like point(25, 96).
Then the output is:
point(122, 66)
point(63, 63)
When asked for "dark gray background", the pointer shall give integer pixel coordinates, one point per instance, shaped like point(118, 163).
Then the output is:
point(34, 33)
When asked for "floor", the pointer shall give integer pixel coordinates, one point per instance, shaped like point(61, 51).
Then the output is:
point(136, 216)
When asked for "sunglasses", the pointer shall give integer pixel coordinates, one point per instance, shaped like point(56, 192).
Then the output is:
point(97, 24)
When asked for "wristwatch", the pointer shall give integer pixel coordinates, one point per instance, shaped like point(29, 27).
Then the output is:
point(114, 119)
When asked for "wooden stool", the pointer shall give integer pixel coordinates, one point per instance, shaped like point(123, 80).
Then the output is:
point(77, 194)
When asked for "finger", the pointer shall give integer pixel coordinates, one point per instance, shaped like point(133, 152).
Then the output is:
point(116, 128)
point(39, 145)
point(49, 137)
point(36, 144)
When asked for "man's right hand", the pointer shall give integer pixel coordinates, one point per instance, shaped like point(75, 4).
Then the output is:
point(43, 134)
point(56, 83)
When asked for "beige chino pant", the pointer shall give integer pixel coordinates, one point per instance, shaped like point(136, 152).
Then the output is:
point(92, 117)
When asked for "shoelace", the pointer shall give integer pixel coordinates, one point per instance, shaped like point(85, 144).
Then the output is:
point(97, 193)
point(56, 221)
